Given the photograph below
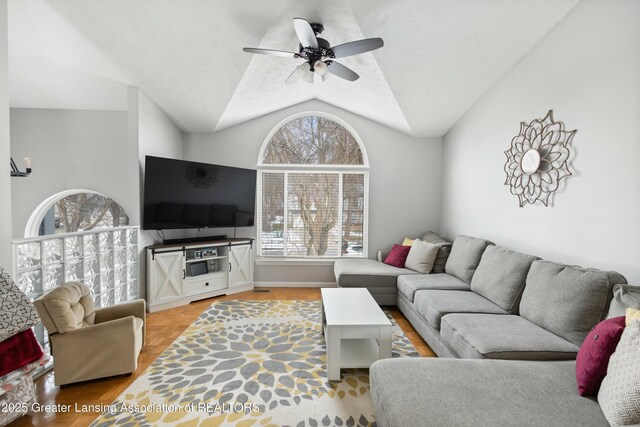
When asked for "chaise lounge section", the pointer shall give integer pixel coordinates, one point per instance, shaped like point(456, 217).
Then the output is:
point(381, 279)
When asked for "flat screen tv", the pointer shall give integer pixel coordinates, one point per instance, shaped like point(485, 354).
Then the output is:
point(181, 194)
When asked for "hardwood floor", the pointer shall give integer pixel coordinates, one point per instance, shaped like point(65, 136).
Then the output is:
point(163, 328)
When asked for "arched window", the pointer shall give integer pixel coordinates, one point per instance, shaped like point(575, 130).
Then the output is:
point(75, 210)
point(82, 212)
point(313, 189)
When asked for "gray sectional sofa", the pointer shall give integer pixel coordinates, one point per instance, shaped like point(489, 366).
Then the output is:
point(529, 315)
point(491, 302)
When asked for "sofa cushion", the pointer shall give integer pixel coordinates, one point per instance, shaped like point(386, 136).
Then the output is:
point(444, 249)
point(367, 273)
point(494, 336)
point(397, 256)
point(624, 296)
point(448, 392)
point(631, 316)
point(465, 256)
point(408, 285)
point(421, 256)
point(433, 304)
point(594, 354)
point(501, 275)
point(407, 241)
point(619, 395)
point(567, 300)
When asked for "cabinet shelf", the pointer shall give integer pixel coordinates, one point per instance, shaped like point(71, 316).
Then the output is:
point(204, 258)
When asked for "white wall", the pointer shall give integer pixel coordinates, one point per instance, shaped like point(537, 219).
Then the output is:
point(154, 134)
point(587, 70)
point(5, 179)
point(404, 178)
point(96, 150)
point(69, 149)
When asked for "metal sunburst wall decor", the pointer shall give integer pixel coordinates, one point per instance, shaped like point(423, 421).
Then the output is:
point(538, 160)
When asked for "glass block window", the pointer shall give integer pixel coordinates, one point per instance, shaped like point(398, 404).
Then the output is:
point(312, 191)
point(105, 260)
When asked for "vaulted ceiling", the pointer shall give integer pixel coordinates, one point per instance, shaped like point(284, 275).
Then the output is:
point(439, 58)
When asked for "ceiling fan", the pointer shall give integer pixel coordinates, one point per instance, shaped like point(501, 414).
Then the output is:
point(318, 54)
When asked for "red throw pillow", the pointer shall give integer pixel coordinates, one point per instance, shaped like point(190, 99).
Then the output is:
point(397, 256)
point(595, 351)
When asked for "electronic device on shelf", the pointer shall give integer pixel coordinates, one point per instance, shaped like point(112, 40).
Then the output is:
point(198, 268)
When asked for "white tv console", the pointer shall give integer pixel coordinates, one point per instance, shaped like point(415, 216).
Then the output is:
point(178, 274)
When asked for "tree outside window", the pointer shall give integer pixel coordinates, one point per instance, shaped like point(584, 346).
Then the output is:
point(83, 212)
point(313, 191)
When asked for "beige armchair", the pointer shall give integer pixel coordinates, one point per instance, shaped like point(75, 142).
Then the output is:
point(89, 343)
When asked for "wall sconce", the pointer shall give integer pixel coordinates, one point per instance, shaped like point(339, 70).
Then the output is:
point(17, 172)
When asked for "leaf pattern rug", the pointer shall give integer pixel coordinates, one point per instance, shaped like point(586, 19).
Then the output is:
point(249, 363)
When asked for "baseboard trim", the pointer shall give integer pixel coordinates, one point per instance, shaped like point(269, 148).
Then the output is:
point(295, 284)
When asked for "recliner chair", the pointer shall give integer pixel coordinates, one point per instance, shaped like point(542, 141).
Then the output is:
point(89, 343)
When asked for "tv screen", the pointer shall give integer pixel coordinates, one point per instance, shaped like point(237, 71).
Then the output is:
point(181, 194)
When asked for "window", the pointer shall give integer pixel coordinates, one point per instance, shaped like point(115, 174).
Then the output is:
point(82, 211)
point(312, 191)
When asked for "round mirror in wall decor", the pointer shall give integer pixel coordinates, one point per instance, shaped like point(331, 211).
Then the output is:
point(538, 159)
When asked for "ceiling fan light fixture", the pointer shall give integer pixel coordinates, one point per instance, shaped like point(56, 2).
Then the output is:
point(305, 70)
point(320, 68)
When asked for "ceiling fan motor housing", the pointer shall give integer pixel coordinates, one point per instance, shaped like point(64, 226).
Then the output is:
point(312, 55)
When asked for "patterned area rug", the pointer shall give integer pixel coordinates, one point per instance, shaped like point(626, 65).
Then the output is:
point(249, 363)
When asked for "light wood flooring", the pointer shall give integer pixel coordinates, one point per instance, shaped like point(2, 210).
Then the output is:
point(163, 328)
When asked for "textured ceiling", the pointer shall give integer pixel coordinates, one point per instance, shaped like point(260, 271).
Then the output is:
point(439, 58)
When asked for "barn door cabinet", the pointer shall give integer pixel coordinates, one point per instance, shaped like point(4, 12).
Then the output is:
point(180, 274)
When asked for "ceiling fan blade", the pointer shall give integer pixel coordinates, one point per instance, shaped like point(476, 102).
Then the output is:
point(357, 47)
point(342, 71)
point(293, 77)
point(271, 52)
point(305, 33)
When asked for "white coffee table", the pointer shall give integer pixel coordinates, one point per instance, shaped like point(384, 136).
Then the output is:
point(356, 330)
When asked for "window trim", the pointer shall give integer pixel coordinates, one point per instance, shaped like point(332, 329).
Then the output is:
point(312, 168)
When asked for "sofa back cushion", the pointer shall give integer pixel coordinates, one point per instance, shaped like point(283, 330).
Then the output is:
point(444, 249)
point(465, 256)
point(624, 296)
point(567, 300)
point(69, 306)
point(501, 275)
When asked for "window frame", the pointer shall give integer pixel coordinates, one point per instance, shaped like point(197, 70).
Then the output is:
point(341, 170)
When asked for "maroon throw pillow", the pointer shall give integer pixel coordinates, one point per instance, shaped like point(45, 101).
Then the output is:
point(397, 256)
point(595, 351)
